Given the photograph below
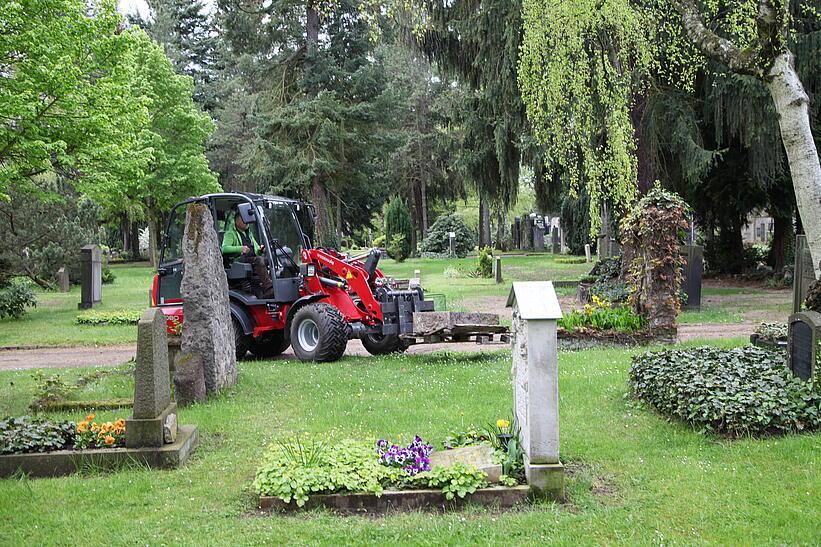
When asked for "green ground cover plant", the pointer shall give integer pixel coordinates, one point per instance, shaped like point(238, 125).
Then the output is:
point(109, 317)
point(738, 392)
point(602, 315)
point(26, 434)
point(633, 478)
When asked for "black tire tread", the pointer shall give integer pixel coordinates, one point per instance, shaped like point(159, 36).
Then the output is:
point(333, 331)
point(242, 341)
point(390, 344)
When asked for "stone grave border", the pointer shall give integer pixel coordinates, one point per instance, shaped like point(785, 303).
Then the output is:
point(402, 500)
point(65, 462)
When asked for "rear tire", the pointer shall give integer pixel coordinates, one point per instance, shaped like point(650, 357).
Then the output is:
point(270, 346)
point(241, 340)
point(383, 344)
point(319, 333)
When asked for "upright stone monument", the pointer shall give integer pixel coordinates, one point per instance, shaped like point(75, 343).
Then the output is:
point(497, 269)
point(91, 276)
point(63, 281)
point(452, 243)
point(555, 243)
point(538, 233)
point(803, 338)
point(152, 388)
point(587, 254)
point(693, 272)
point(207, 330)
point(536, 383)
point(803, 274)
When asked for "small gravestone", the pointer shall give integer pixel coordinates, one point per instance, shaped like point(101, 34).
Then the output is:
point(91, 276)
point(804, 274)
point(452, 243)
point(207, 331)
point(587, 254)
point(189, 379)
point(693, 271)
point(562, 242)
point(536, 383)
point(152, 389)
point(479, 456)
point(497, 269)
point(803, 336)
point(63, 282)
point(417, 274)
point(555, 243)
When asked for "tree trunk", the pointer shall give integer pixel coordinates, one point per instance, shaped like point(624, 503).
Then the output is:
point(320, 202)
point(152, 238)
point(500, 229)
point(778, 245)
point(646, 174)
point(424, 208)
point(134, 236)
point(792, 105)
point(484, 223)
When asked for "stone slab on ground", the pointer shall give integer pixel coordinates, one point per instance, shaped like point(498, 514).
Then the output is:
point(479, 456)
point(405, 500)
point(436, 321)
point(66, 462)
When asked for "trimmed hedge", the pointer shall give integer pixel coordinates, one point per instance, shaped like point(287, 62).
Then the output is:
point(116, 317)
point(737, 392)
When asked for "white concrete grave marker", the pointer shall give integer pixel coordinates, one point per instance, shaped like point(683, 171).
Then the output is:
point(536, 383)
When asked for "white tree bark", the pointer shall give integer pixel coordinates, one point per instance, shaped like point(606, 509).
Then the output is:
point(792, 105)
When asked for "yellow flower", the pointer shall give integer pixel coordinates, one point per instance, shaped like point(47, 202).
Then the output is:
point(502, 424)
point(109, 440)
point(95, 427)
point(89, 417)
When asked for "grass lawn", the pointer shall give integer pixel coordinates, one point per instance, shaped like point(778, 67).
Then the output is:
point(51, 323)
point(634, 478)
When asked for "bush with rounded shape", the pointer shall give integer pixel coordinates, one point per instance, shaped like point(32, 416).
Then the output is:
point(438, 239)
point(15, 298)
point(484, 263)
point(738, 392)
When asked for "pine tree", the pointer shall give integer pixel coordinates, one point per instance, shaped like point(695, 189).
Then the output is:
point(398, 225)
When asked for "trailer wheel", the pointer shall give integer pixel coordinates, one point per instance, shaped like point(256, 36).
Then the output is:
point(319, 333)
point(241, 340)
point(270, 346)
point(383, 344)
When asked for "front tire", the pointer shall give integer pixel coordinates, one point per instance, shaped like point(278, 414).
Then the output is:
point(241, 340)
point(319, 333)
point(383, 344)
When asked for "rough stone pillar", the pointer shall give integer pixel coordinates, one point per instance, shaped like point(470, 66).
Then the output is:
point(152, 388)
point(497, 269)
point(207, 329)
point(536, 383)
point(587, 254)
point(91, 276)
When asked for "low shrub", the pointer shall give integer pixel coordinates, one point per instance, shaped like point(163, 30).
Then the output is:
point(774, 332)
point(107, 275)
point(452, 273)
point(25, 434)
point(571, 260)
point(398, 248)
point(15, 297)
point(484, 262)
point(438, 239)
point(611, 291)
point(379, 241)
point(602, 315)
point(737, 392)
point(435, 256)
point(116, 317)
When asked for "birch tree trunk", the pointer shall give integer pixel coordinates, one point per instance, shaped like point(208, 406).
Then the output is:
point(792, 105)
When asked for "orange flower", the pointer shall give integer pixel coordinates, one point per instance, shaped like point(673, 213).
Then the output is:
point(106, 427)
point(109, 440)
point(89, 417)
point(119, 424)
point(95, 427)
point(82, 427)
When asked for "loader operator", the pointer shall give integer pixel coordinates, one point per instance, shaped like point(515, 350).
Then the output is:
point(239, 242)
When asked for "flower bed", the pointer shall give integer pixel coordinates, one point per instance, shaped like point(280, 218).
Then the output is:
point(27, 435)
point(300, 469)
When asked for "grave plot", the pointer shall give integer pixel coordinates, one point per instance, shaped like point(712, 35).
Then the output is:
point(502, 465)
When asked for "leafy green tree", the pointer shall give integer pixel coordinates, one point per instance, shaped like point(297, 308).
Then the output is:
point(398, 224)
point(65, 100)
point(438, 240)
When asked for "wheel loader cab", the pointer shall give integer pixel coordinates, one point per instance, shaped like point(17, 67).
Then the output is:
point(273, 225)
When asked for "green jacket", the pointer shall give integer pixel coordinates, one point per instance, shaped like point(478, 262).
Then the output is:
point(232, 241)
